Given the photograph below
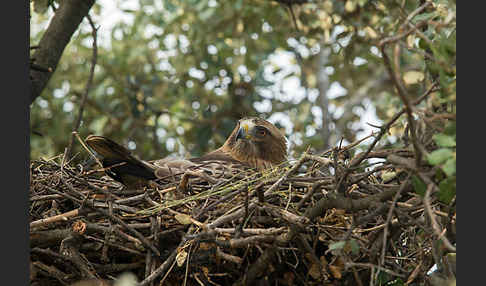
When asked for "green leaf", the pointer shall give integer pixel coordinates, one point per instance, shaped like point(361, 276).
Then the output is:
point(361, 3)
point(353, 244)
point(444, 140)
point(337, 245)
point(439, 156)
point(425, 16)
point(447, 190)
point(450, 128)
point(419, 186)
point(206, 14)
point(450, 167)
point(169, 6)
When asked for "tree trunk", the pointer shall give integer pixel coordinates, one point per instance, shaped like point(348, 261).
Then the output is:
point(63, 25)
point(323, 100)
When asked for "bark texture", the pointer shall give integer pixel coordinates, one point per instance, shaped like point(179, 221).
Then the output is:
point(51, 47)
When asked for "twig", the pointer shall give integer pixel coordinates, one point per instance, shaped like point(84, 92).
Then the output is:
point(56, 218)
point(402, 92)
point(435, 225)
point(389, 219)
point(163, 267)
point(289, 172)
point(291, 10)
point(384, 129)
point(369, 265)
point(94, 58)
point(106, 214)
point(406, 23)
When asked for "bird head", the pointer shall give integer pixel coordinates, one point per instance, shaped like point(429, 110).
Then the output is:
point(257, 142)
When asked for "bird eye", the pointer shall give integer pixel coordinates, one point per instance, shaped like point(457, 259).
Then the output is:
point(262, 132)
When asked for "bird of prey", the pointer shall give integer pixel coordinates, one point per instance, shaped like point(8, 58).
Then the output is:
point(254, 143)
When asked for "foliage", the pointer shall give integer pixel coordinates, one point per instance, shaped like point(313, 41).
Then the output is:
point(176, 76)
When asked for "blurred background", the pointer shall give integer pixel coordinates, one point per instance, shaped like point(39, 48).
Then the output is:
point(174, 76)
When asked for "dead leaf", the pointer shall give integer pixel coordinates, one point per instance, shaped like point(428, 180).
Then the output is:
point(370, 32)
point(350, 6)
point(336, 271)
point(79, 227)
point(413, 77)
point(183, 218)
point(181, 258)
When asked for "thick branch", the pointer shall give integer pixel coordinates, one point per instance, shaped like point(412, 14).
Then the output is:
point(51, 47)
point(341, 202)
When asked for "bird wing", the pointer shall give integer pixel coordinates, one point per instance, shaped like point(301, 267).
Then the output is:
point(119, 163)
point(244, 148)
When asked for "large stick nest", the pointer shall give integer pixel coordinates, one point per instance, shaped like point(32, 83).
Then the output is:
point(320, 220)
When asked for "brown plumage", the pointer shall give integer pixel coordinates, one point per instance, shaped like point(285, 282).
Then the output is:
point(254, 143)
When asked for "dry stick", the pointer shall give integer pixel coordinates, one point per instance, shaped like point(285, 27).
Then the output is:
point(402, 35)
point(435, 225)
point(162, 268)
point(56, 218)
point(363, 219)
point(220, 220)
point(267, 231)
point(119, 267)
point(383, 130)
point(405, 23)
point(389, 218)
point(356, 276)
point(431, 186)
point(340, 202)
point(402, 92)
point(352, 145)
point(228, 257)
point(187, 265)
point(369, 265)
point(89, 152)
point(51, 270)
point(289, 172)
point(148, 257)
point(156, 239)
point(315, 187)
point(294, 19)
point(70, 249)
point(44, 198)
point(115, 245)
point(404, 96)
point(108, 233)
point(142, 239)
point(259, 267)
point(88, 86)
point(450, 217)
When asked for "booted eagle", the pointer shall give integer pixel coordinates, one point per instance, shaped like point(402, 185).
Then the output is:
point(254, 143)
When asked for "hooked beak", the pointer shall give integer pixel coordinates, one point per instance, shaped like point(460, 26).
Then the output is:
point(243, 132)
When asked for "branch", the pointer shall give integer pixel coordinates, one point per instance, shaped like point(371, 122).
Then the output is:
point(340, 202)
point(435, 226)
point(404, 96)
point(88, 87)
point(360, 157)
point(51, 47)
point(396, 78)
